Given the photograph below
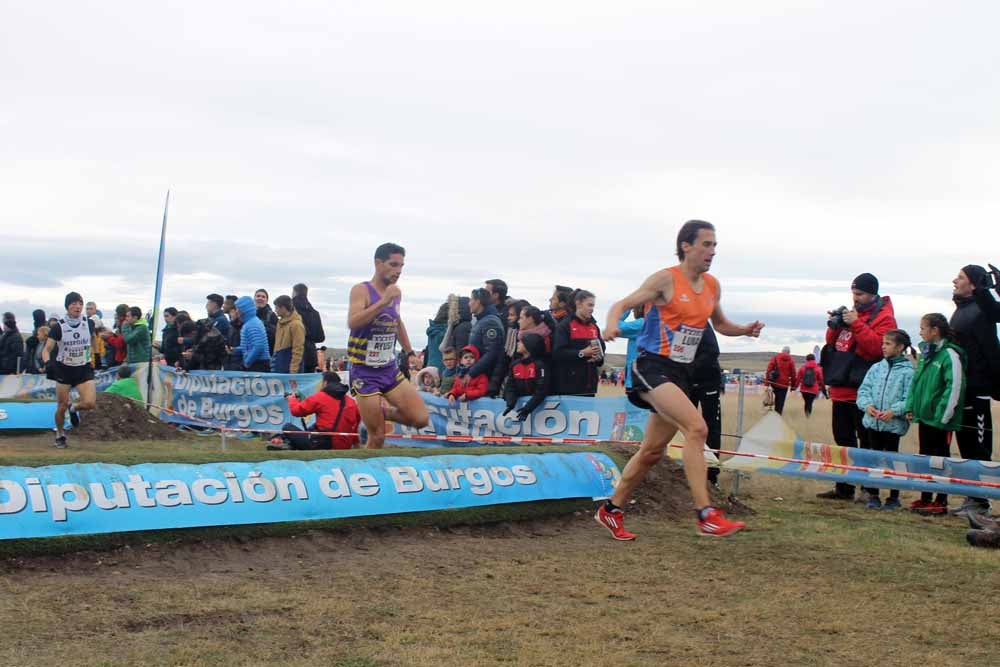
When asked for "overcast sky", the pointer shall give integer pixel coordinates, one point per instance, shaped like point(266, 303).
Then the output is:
point(540, 142)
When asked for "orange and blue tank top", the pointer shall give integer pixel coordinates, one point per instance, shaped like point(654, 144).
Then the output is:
point(674, 329)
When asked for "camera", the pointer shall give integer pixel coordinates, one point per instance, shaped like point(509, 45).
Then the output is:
point(836, 320)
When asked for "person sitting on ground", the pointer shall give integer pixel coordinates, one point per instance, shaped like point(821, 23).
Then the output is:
point(428, 380)
point(985, 531)
point(125, 385)
point(780, 376)
point(528, 376)
point(135, 333)
point(253, 337)
point(11, 347)
point(577, 349)
point(882, 397)
point(450, 360)
point(810, 382)
point(467, 387)
point(289, 339)
point(335, 411)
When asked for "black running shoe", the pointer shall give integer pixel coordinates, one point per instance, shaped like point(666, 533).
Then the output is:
point(60, 442)
point(74, 417)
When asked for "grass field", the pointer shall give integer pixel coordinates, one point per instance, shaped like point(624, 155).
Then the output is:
point(808, 583)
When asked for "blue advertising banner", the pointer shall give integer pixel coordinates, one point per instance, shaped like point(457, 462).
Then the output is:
point(233, 399)
point(33, 415)
point(557, 417)
point(101, 498)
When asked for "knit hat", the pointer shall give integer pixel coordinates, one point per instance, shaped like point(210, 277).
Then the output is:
point(73, 297)
point(975, 273)
point(866, 283)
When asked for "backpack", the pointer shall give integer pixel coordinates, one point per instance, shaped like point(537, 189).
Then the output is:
point(809, 376)
point(774, 373)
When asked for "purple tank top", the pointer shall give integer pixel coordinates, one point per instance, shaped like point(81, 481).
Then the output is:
point(374, 344)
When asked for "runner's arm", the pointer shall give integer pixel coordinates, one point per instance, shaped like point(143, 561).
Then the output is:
point(360, 312)
point(725, 327)
point(660, 284)
point(47, 352)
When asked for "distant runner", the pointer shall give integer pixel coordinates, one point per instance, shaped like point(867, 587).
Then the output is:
point(678, 304)
point(375, 327)
point(71, 337)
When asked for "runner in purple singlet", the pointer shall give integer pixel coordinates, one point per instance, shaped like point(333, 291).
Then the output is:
point(375, 325)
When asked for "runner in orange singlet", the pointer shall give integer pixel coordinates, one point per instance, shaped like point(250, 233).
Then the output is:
point(679, 302)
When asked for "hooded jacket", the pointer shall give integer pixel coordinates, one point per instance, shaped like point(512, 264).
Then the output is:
point(785, 367)
point(435, 336)
point(572, 374)
point(487, 337)
point(937, 391)
point(311, 320)
point(849, 352)
point(137, 341)
point(169, 346)
point(886, 386)
point(465, 384)
point(431, 371)
point(289, 343)
point(335, 411)
point(977, 335)
point(528, 376)
point(800, 379)
point(253, 337)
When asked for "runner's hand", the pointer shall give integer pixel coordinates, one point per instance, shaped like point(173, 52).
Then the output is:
point(392, 293)
point(612, 332)
point(753, 329)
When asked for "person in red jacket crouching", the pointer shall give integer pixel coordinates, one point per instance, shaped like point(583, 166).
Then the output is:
point(335, 412)
point(467, 388)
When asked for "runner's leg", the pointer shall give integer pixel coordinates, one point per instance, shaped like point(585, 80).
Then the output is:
point(407, 406)
point(62, 404)
point(658, 434)
point(87, 398)
point(370, 408)
point(674, 407)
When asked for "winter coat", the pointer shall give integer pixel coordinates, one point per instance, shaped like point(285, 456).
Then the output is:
point(487, 337)
point(782, 368)
point(33, 355)
point(706, 372)
point(977, 336)
point(849, 352)
point(289, 342)
point(435, 336)
point(937, 392)
point(253, 336)
point(457, 334)
point(209, 352)
point(126, 387)
point(270, 320)
point(137, 342)
point(221, 322)
point(465, 384)
point(528, 376)
point(630, 329)
point(169, 346)
point(572, 374)
point(886, 387)
point(11, 353)
point(800, 380)
point(310, 320)
point(335, 412)
point(448, 376)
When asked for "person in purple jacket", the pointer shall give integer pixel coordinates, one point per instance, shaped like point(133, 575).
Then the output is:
point(375, 324)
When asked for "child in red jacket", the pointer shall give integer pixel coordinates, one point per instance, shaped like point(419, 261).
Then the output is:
point(467, 388)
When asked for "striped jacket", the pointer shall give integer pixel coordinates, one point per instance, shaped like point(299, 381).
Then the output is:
point(937, 392)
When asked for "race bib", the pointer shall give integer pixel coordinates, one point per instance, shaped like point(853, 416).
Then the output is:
point(684, 344)
point(75, 356)
point(380, 350)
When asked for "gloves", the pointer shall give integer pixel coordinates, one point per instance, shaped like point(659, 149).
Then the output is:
point(522, 414)
point(507, 411)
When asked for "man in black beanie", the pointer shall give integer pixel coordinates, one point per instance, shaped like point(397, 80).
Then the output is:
point(977, 335)
point(853, 345)
point(69, 344)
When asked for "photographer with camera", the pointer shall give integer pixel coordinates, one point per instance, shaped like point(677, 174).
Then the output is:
point(977, 335)
point(853, 345)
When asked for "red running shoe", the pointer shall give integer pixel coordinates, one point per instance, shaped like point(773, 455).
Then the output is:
point(919, 505)
point(615, 522)
point(932, 508)
point(715, 524)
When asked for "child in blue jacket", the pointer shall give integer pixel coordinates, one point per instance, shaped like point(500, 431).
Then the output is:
point(882, 399)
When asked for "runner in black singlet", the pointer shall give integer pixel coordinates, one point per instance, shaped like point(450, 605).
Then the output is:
point(71, 367)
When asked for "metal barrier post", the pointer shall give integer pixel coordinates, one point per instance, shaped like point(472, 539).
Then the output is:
point(741, 394)
point(223, 434)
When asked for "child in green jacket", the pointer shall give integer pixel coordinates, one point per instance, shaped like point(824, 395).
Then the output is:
point(936, 397)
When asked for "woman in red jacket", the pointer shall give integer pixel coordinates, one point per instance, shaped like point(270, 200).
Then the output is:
point(335, 412)
point(810, 381)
